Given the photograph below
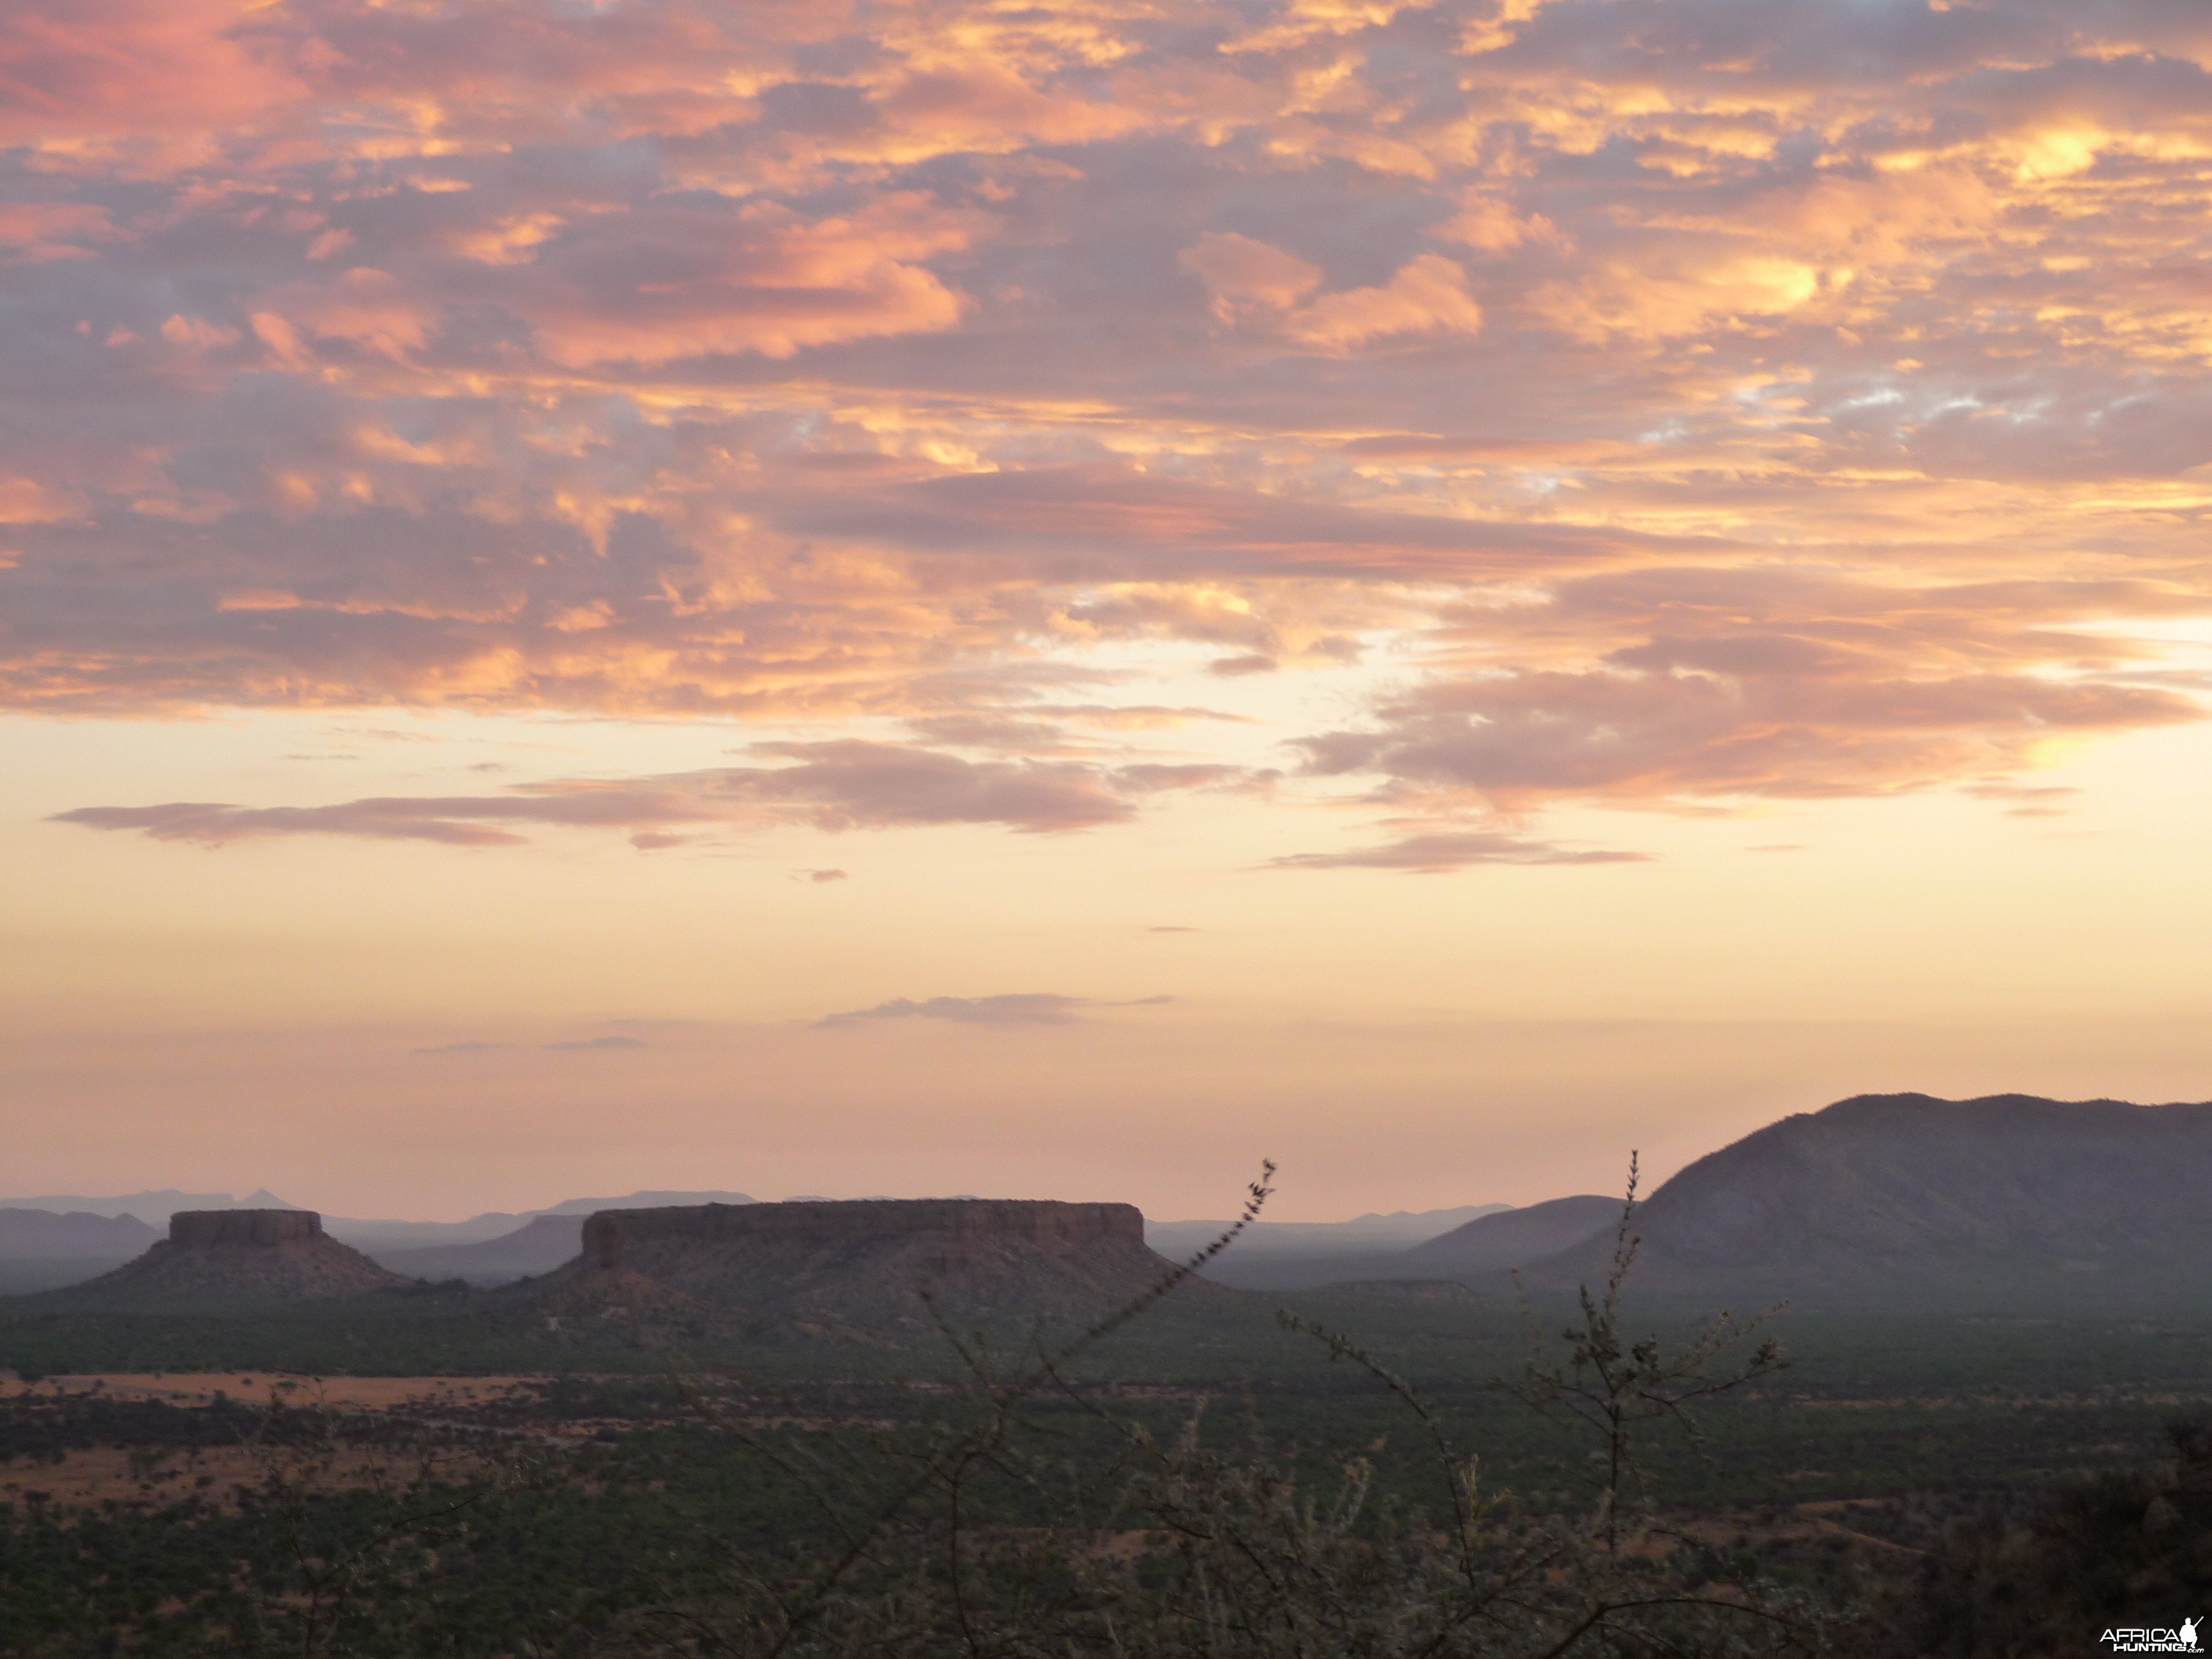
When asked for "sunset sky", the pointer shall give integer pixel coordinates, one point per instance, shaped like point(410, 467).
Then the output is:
point(1048, 599)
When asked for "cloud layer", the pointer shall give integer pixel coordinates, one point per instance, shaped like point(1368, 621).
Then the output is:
point(832, 786)
point(1670, 407)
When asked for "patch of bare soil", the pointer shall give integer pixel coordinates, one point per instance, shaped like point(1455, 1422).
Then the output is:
point(369, 1394)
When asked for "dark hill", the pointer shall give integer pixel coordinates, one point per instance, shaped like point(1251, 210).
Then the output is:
point(1906, 1200)
point(860, 1263)
point(1513, 1238)
point(1481, 1249)
point(538, 1246)
point(40, 1235)
point(385, 1238)
point(39, 1250)
point(1282, 1256)
point(220, 1259)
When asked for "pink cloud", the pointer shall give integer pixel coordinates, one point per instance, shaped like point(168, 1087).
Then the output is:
point(760, 279)
point(1252, 283)
point(1656, 422)
point(85, 74)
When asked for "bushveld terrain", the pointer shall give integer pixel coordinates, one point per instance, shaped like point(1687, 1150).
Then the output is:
point(425, 1481)
point(759, 1430)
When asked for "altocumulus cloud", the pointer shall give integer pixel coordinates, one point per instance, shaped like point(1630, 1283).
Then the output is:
point(546, 356)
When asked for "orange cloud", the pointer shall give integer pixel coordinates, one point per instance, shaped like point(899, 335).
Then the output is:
point(1624, 417)
point(1251, 281)
point(365, 310)
point(766, 281)
point(1428, 295)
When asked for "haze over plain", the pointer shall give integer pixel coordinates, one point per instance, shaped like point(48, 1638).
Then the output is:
point(855, 600)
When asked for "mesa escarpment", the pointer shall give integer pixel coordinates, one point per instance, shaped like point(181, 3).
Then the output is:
point(865, 1260)
point(226, 1258)
point(204, 1230)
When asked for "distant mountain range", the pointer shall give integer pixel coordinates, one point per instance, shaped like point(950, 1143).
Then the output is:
point(1881, 1201)
point(37, 1235)
point(380, 1238)
point(538, 1246)
point(498, 1247)
point(155, 1209)
point(47, 1242)
point(41, 1249)
point(1493, 1238)
point(1266, 1249)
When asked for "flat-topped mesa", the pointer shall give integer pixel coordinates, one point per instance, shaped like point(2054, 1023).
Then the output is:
point(202, 1228)
point(863, 1260)
point(224, 1258)
point(1044, 1224)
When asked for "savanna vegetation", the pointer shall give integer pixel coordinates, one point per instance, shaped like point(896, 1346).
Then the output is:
point(1352, 1475)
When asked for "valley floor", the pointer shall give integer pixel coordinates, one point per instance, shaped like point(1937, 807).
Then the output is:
point(564, 1497)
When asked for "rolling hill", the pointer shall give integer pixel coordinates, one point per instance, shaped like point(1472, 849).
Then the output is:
point(1905, 1200)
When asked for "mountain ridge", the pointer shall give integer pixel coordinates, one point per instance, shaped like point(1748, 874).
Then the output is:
point(1909, 1198)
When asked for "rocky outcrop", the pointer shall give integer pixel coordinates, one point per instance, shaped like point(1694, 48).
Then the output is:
point(866, 1262)
point(215, 1258)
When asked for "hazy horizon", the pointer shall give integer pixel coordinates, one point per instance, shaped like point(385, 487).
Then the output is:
point(1053, 602)
point(30, 1200)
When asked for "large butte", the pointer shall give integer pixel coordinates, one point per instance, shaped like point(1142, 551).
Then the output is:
point(864, 1261)
point(230, 1258)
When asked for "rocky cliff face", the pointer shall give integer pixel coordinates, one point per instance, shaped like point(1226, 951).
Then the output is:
point(233, 1258)
point(950, 1226)
point(206, 1229)
point(865, 1261)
